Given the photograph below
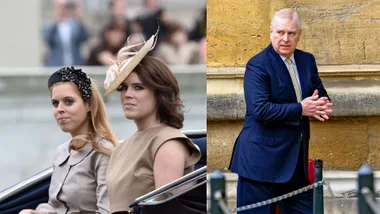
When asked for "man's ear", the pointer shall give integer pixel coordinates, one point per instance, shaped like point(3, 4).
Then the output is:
point(270, 32)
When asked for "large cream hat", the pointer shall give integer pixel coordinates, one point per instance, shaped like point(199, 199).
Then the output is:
point(127, 59)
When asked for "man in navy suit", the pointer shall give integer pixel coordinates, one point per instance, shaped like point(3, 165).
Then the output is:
point(282, 90)
point(65, 35)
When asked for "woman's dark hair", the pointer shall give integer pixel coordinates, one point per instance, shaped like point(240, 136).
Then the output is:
point(112, 26)
point(172, 29)
point(156, 75)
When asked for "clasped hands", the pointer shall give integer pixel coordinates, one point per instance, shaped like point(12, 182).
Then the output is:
point(317, 107)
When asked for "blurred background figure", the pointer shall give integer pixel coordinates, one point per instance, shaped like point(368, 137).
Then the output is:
point(110, 22)
point(65, 35)
point(203, 50)
point(112, 41)
point(176, 49)
point(199, 30)
point(118, 10)
point(150, 16)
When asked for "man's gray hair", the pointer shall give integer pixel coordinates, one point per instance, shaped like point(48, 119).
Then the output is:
point(287, 14)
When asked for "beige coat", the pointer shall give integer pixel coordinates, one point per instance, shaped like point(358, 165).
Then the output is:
point(78, 183)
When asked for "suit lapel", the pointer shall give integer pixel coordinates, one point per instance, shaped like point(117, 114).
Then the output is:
point(302, 69)
point(282, 71)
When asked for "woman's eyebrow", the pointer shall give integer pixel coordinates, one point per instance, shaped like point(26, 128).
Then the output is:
point(67, 97)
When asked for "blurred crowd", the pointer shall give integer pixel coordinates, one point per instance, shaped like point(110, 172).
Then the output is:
point(67, 34)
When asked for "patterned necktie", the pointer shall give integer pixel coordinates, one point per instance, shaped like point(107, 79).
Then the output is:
point(292, 73)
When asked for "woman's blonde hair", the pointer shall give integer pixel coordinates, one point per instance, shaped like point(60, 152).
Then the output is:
point(99, 125)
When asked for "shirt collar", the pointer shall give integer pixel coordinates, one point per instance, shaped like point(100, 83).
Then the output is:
point(291, 58)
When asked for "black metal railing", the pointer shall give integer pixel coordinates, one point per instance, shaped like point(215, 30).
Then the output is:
point(219, 201)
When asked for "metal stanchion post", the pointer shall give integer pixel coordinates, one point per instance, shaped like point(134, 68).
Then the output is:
point(318, 207)
point(217, 182)
point(365, 179)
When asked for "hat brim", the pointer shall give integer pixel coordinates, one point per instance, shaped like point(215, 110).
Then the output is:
point(127, 68)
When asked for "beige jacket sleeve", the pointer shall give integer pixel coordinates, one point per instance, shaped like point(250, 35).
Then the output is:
point(101, 164)
point(46, 208)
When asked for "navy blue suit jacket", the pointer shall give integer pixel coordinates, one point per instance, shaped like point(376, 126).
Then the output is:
point(51, 36)
point(268, 146)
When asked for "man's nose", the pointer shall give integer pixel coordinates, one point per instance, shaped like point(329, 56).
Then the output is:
point(285, 37)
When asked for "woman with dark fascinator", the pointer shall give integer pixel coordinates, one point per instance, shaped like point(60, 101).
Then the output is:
point(158, 153)
point(78, 183)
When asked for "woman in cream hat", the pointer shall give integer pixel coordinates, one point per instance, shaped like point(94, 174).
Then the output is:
point(158, 152)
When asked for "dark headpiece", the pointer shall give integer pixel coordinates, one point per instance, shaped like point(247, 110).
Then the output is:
point(76, 76)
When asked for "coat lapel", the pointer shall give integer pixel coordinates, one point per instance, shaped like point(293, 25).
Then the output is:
point(62, 154)
point(75, 157)
point(282, 71)
point(302, 69)
point(78, 156)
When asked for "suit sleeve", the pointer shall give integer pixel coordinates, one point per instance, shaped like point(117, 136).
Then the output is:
point(49, 31)
point(257, 96)
point(46, 208)
point(317, 82)
point(83, 33)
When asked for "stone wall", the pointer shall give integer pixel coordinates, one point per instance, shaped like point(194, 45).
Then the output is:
point(336, 32)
